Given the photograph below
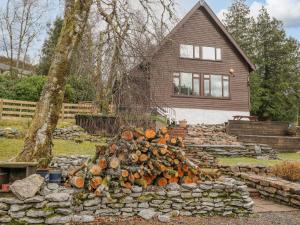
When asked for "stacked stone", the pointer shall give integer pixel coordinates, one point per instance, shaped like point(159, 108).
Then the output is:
point(67, 163)
point(58, 205)
point(242, 150)
point(9, 132)
point(232, 170)
point(274, 188)
point(73, 133)
point(209, 135)
point(203, 159)
point(53, 205)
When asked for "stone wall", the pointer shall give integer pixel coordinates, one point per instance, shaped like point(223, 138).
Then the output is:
point(242, 150)
point(56, 204)
point(65, 163)
point(255, 169)
point(10, 132)
point(274, 188)
point(75, 133)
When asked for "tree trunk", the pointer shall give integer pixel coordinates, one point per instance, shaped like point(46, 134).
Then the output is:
point(38, 141)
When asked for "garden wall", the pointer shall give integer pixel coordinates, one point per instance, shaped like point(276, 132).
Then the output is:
point(245, 150)
point(56, 204)
point(274, 188)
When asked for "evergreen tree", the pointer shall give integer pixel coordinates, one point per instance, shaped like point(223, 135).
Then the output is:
point(239, 23)
point(275, 85)
point(49, 46)
point(277, 59)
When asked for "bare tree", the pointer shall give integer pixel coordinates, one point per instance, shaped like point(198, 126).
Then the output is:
point(20, 22)
point(38, 141)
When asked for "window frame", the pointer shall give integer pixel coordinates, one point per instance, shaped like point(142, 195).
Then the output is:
point(201, 53)
point(202, 86)
point(178, 75)
point(209, 79)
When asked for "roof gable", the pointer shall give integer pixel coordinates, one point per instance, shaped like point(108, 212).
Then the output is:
point(212, 15)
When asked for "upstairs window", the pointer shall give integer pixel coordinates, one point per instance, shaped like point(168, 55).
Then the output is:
point(187, 84)
point(216, 85)
point(211, 53)
point(189, 51)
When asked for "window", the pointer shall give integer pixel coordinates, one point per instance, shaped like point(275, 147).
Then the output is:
point(216, 85)
point(186, 84)
point(187, 51)
point(210, 53)
point(190, 51)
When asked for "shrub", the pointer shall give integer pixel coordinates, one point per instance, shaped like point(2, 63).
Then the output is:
point(287, 170)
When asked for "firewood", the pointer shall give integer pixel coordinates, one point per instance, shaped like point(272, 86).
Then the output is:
point(127, 135)
point(124, 173)
point(113, 148)
point(173, 180)
point(77, 182)
point(136, 175)
point(150, 134)
point(187, 180)
point(114, 163)
point(143, 158)
point(102, 163)
point(103, 186)
point(126, 185)
point(74, 172)
point(95, 182)
point(141, 182)
point(95, 170)
point(134, 158)
point(161, 182)
point(164, 130)
point(163, 151)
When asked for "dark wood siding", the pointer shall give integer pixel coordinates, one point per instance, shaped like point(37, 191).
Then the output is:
point(200, 30)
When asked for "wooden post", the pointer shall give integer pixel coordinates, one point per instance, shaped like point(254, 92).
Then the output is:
point(63, 112)
point(1, 108)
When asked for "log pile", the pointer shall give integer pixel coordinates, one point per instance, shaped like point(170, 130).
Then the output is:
point(137, 157)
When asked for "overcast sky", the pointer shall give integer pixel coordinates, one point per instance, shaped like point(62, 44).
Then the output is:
point(286, 10)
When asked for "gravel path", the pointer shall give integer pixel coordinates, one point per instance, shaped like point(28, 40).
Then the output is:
point(278, 218)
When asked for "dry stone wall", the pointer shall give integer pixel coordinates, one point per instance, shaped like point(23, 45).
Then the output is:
point(241, 150)
point(58, 205)
point(274, 188)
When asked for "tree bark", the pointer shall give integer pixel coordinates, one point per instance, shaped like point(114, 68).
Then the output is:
point(38, 141)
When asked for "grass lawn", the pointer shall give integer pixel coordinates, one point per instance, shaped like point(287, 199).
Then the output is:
point(251, 161)
point(10, 148)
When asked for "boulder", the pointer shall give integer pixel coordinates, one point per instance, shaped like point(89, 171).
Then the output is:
point(28, 187)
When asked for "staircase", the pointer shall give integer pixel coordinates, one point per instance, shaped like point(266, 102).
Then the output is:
point(167, 112)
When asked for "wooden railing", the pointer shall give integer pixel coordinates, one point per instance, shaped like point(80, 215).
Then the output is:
point(26, 109)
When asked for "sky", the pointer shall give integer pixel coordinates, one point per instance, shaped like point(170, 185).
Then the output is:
point(286, 10)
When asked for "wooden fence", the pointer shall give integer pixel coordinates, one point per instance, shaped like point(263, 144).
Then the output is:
point(26, 109)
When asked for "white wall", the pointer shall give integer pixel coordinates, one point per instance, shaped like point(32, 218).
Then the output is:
point(199, 116)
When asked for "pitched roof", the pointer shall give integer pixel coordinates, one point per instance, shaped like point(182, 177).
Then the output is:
point(204, 5)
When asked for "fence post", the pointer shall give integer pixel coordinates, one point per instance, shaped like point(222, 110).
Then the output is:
point(1, 108)
point(63, 112)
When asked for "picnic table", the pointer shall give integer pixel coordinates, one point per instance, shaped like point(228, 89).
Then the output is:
point(250, 118)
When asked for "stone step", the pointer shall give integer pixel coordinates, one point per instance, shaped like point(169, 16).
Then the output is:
point(253, 192)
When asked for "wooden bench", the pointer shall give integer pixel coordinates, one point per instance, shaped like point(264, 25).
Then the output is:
point(250, 118)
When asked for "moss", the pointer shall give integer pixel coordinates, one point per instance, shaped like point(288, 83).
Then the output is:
point(48, 209)
point(17, 222)
point(78, 198)
point(145, 198)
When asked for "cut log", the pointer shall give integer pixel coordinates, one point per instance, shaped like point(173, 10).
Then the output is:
point(114, 163)
point(95, 182)
point(143, 158)
point(113, 148)
point(126, 185)
point(134, 158)
point(173, 180)
point(102, 163)
point(164, 130)
point(77, 182)
point(150, 134)
point(124, 173)
point(161, 182)
point(95, 170)
point(75, 171)
point(187, 180)
point(127, 135)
